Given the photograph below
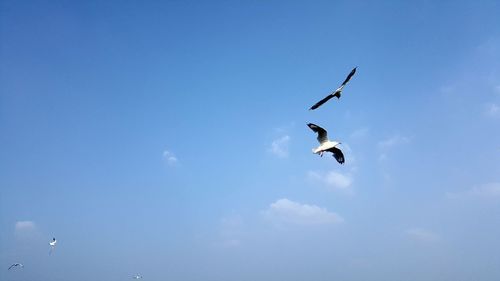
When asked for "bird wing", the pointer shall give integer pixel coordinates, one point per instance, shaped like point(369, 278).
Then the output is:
point(11, 266)
point(337, 153)
point(351, 74)
point(321, 102)
point(322, 134)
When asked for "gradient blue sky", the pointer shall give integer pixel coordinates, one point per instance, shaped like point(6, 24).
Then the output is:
point(168, 138)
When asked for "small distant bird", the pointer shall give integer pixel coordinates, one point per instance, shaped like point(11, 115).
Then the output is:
point(16, 265)
point(52, 245)
point(137, 276)
point(325, 144)
point(336, 93)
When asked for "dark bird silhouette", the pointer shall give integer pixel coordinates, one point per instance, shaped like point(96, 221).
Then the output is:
point(16, 265)
point(335, 93)
point(325, 144)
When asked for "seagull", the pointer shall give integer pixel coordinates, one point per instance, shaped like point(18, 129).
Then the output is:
point(52, 245)
point(137, 276)
point(16, 265)
point(336, 93)
point(325, 144)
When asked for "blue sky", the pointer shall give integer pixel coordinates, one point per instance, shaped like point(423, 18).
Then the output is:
point(169, 139)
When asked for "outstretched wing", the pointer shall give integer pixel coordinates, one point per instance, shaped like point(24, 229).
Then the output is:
point(11, 266)
point(351, 74)
point(321, 102)
point(337, 153)
point(322, 134)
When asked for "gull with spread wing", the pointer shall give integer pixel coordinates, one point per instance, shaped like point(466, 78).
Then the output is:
point(325, 144)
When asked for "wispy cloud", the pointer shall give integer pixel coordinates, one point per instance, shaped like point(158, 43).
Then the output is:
point(389, 143)
point(334, 180)
point(231, 229)
point(492, 110)
point(231, 225)
point(287, 211)
point(170, 158)
point(360, 133)
point(393, 141)
point(231, 243)
point(385, 148)
point(497, 89)
point(448, 89)
point(25, 229)
point(421, 234)
point(486, 191)
point(24, 226)
point(279, 146)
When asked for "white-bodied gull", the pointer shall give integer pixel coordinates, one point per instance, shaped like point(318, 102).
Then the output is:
point(137, 276)
point(52, 245)
point(335, 93)
point(325, 144)
point(16, 265)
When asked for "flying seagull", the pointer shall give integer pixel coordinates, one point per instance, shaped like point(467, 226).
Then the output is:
point(336, 93)
point(52, 245)
point(16, 265)
point(137, 276)
point(325, 144)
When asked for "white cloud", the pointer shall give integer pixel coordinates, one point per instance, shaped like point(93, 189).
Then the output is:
point(489, 190)
point(25, 226)
point(279, 147)
point(492, 110)
point(333, 179)
point(170, 158)
point(393, 141)
point(284, 210)
point(421, 234)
